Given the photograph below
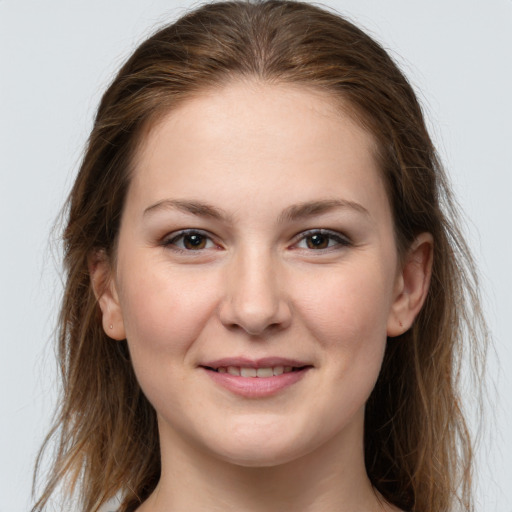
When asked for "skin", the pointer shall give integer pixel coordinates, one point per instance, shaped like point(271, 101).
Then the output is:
point(257, 286)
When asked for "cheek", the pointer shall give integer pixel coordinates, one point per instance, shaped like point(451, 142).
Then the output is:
point(347, 314)
point(347, 308)
point(164, 311)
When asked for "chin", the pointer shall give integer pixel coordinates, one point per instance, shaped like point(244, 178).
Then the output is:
point(259, 457)
point(262, 445)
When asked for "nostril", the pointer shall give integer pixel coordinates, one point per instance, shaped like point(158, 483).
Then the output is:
point(255, 309)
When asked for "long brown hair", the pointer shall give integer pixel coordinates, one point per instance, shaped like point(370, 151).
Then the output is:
point(417, 446)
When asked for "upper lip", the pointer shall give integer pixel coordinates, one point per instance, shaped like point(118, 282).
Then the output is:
point(264, 362)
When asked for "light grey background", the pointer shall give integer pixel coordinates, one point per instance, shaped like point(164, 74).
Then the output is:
point(56, 58)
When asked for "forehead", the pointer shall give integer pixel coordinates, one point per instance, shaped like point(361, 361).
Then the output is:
point(244, 135)
point(258, 105)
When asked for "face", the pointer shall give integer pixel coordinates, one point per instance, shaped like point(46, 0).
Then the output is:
point(257, 277)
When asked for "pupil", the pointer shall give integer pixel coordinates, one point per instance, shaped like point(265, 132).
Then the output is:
point(317, 242)
point(194, 241)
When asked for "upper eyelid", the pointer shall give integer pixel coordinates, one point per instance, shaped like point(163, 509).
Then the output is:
point(322, 231)
point(170, 237)
point(187, 231)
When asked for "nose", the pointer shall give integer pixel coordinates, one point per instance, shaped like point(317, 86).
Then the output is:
point(255, 300)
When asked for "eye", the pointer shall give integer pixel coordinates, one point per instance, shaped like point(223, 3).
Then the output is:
point(320, 239)
point(190, 240)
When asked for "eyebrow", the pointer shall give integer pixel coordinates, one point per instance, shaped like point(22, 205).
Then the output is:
point(194, 207)
point(312, 208)
point(292, 213)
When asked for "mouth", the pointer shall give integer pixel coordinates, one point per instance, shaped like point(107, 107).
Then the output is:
point(252, 372)
point(256, 378)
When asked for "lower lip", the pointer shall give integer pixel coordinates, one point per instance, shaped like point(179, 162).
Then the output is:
point(256, 387)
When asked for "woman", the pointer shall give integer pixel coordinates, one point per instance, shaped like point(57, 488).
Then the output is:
point(266, 288)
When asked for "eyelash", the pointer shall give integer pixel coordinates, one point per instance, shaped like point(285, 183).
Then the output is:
point(171, 241)
point(339, 239)
point(331, 236)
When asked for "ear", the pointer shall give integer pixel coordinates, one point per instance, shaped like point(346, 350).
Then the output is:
point(412, 285)
point(104, 288)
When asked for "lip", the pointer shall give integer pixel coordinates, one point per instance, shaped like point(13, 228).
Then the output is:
point(264, 362)
point(256, 387)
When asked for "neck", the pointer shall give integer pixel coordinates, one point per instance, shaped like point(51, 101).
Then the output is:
point(331, 478)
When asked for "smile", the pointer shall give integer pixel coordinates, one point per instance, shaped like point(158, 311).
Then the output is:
point(261, 373)
point(256, 379)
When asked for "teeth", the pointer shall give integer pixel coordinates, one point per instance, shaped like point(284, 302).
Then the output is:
point(278, 370)
point(255, 372)
point(248, 372)
point(264, 372)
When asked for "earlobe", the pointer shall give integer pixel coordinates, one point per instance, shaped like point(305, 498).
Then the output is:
point(105, 291)
point(412, 285)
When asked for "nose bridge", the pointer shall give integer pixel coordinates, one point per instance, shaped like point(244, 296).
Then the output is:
point(254, 298)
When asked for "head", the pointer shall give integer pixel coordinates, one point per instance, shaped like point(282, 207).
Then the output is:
point(412, 419)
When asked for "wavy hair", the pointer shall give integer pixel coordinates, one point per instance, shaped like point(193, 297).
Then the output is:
point(418, 450)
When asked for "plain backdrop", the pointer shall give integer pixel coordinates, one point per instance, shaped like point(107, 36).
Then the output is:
point(56, 58)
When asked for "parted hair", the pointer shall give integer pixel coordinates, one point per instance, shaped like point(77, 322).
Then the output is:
point(418, 450)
